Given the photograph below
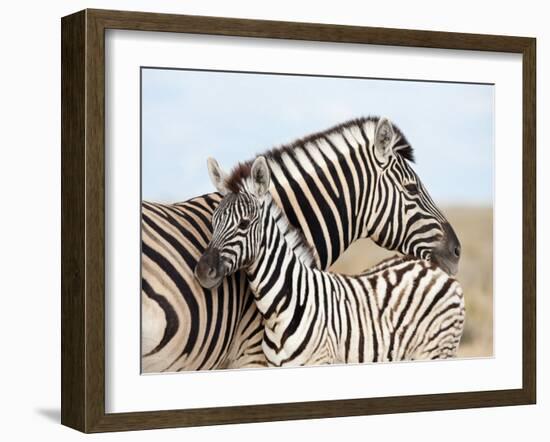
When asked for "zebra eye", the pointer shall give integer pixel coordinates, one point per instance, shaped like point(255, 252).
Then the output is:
point(412, 188)
point(244, 224)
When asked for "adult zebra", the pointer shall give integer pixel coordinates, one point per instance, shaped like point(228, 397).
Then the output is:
point(349, 182)
point(405, 309)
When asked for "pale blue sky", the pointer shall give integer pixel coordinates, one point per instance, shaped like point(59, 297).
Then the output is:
point(190, 115)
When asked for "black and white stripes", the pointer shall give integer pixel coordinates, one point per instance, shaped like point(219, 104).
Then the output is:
point(352, 181)
point(404, 309)
point(185, 327)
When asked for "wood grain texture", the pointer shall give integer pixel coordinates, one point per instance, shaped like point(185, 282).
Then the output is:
point(529, 220)
point(73, 127)
point(144, 21)
point(83, 220)
point(95, 221)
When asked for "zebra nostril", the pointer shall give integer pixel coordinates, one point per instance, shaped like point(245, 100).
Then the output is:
point(212, 273)
point(457, 252)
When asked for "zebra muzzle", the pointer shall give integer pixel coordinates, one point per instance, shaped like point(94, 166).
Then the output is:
point(447, 254)
point(208, 270)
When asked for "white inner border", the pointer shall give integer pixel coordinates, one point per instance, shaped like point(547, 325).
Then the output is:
point(127, 390)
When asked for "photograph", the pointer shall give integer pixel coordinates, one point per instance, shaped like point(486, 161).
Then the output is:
point(296, 220)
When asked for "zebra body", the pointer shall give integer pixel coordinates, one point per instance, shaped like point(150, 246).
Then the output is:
point(186, 327)
point(352, 181)
point(403, 309)
point(411, 311)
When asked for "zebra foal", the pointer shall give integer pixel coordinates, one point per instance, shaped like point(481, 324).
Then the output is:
point(404, 309)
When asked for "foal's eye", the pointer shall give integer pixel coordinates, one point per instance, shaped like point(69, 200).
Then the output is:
point(411, 188)
point(244, 224)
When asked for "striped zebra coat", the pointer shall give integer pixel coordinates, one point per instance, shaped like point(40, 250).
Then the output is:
point(349, 182)
point(185, 326)
point(404, 309)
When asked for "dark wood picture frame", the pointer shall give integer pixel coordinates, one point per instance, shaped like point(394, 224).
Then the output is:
point(83, 220)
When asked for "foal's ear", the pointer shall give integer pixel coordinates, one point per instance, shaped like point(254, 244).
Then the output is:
point(384, 139)
point(261, 177)
point(217, 175)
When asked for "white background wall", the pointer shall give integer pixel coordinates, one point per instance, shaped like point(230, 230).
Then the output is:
point(30, 215)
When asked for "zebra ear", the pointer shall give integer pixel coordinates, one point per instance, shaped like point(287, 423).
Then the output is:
point(384, 137)
point(261, 177)
point(217, 175)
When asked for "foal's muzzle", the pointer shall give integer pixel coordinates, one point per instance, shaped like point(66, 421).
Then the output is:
point(209, 269)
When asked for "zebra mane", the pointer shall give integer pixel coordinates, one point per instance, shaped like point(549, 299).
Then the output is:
point(235, 180)
point(293, 236)
point(402, 147)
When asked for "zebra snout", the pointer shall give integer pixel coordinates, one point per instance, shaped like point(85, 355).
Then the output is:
point(208, 269)
point(447, 253)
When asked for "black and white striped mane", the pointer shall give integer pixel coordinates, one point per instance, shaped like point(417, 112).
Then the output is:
point(294, 237)
point(402, 147)
point(235, 180)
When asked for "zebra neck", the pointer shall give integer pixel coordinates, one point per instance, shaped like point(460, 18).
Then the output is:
point(282, 251)
point(325, 186)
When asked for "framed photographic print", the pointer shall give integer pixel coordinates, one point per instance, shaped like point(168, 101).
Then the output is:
point(267, 220)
